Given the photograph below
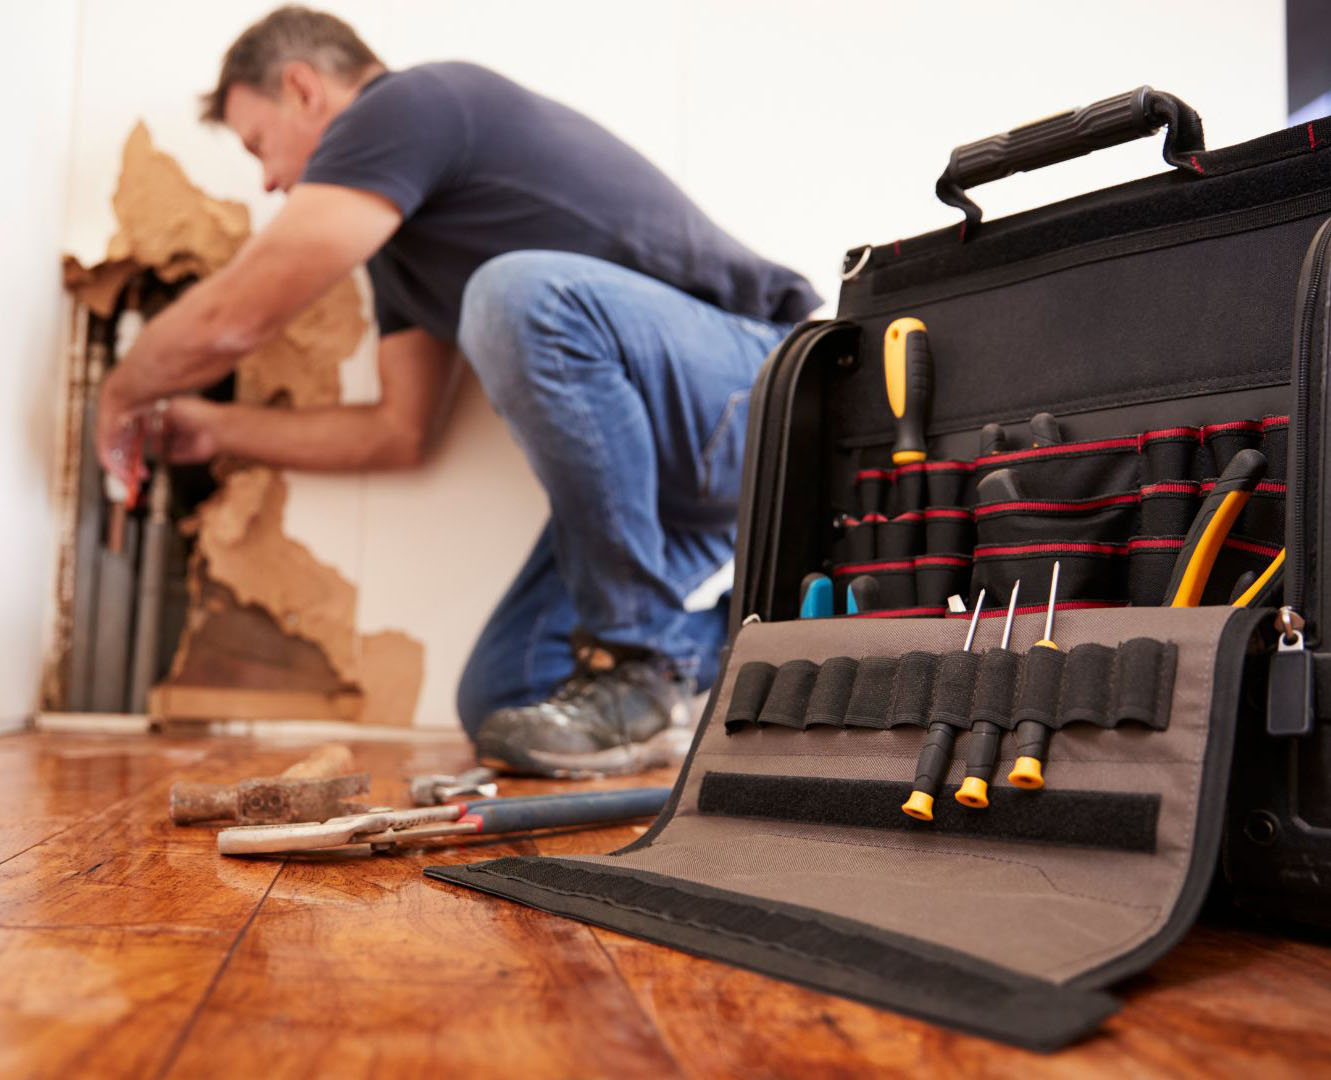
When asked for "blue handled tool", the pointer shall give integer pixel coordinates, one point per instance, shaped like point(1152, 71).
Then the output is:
point(387, 830)
point(816, 596)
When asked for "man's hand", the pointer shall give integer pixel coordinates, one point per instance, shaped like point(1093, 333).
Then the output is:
point(417, 379)
point(190, 430)
point(319, 236)
point(119, 433)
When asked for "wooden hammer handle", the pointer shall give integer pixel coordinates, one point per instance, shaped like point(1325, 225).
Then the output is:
point(202, 802)
point(334, 759)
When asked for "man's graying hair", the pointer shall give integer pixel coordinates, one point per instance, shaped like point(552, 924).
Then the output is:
point(257, 57)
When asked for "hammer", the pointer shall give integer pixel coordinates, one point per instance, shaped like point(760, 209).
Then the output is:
point(310, 790)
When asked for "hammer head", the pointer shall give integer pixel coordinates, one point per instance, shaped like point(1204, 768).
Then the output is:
point(267, 800)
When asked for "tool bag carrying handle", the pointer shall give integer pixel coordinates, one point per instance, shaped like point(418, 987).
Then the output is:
point(1067, 135)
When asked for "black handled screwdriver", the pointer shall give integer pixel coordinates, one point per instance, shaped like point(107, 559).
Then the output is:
point(1033, 736)
point(986, 736)
point(936, 753)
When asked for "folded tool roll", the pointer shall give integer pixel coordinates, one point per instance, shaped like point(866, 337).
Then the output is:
point(1015, 529)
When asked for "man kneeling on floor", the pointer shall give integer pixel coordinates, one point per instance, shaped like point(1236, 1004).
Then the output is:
point(613, 326)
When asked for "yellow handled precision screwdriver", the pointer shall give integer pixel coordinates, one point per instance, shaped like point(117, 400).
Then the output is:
point(936, 754)
point(908, 368)
point(1033, 736)
point(986, 736)
point(1212, 524)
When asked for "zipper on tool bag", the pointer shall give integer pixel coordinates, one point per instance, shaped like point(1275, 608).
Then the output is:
point(1302, 508)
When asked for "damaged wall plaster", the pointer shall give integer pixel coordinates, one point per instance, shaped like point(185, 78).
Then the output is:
point(240, 536)
point(171, 226)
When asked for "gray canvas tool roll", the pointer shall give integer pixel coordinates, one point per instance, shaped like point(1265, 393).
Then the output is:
point(784, 849)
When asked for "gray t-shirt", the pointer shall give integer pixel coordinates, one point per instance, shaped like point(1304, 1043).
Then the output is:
point(480, 166)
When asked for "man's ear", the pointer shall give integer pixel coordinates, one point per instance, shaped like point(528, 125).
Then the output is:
point(303, 81)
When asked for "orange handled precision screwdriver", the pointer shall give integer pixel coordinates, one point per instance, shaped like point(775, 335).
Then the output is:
point(1033, 736)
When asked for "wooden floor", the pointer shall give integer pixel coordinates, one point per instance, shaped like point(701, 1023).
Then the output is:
point(129, 947)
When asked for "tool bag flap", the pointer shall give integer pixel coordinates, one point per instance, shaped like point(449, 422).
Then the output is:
point(784, 847)
point(1160, 312)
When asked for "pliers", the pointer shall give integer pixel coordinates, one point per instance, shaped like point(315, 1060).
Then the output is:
point(387, 830)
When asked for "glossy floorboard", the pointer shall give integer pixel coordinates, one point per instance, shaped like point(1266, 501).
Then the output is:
point(129, 948)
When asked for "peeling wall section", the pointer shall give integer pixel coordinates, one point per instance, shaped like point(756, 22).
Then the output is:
point(169, 225)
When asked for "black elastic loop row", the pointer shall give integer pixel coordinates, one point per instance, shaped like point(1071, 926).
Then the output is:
point(1090, 684)
point(1111, 820)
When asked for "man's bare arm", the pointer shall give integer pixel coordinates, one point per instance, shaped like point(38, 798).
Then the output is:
point(418, 375)
point(320, 235)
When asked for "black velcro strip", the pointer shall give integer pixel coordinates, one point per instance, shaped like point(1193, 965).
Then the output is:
point(954, 686)
point(831, 692)
point(914, 689)
point(1145, 684)
point(1037, 694)
point(800, 945)
point(789, 696)
point(994, 686)
point(751, 688)
point(1087, 678)
point(1112, 820)
point(871, 696)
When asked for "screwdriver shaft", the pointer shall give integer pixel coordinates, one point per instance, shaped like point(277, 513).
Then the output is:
point(1011, 611)
point(1053, 600)
point(975, 621)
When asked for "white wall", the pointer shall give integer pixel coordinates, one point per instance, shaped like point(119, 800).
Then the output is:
point(37, 58)
point(805, 129)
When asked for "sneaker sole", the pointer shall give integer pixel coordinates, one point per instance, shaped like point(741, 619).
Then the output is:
point(666, 747)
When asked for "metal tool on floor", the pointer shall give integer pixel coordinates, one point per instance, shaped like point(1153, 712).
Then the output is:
point(936, 754)
point(986, 737)
point(1033, 736)
point(436, 788)
point(314, 788)
point(390, 830)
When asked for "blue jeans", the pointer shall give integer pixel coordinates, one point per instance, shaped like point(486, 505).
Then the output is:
point(630, 400)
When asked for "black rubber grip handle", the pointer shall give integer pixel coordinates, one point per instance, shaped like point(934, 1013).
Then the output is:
point(919, 393)
point(1069, 135)
point(982, 750)
point(1033, 740)
point(935, 758)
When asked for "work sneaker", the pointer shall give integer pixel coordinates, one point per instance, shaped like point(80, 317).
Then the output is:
point(622, 711)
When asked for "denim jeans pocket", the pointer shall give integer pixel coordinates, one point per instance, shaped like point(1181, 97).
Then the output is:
point(722, 461)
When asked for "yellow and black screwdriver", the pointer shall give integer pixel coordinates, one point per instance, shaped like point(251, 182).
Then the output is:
point(908, 368)
point(986, 736)
point(1212, 524)
point(1033, 736)
point(936, 753)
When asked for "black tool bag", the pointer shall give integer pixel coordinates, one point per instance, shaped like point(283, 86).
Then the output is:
point(1168, 325)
